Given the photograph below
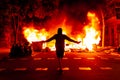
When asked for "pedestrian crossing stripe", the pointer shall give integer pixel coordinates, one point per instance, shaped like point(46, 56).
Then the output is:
point(37, 58)
point(85, 68)
point(50, 58)
point(92, 58)
point(105, 68)
point(41, 69)
point(77, 58)
point(20, 69)
point(64, 68)
point(65, 58)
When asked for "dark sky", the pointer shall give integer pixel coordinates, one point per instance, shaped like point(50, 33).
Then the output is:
point(70, 7)
point(50, 11)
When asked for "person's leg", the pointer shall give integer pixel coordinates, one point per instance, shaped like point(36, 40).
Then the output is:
point(60, 64)
point(60, 54)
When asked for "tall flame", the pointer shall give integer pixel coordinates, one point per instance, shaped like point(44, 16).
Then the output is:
point(92, 34)
point(92, 37)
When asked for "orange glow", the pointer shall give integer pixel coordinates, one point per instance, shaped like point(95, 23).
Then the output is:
point(91, 35)
point(33, 35)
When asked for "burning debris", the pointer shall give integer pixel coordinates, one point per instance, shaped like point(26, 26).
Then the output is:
point(90, 38)
point(34, 35)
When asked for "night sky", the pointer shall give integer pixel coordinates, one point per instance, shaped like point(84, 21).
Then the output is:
point(46, 9)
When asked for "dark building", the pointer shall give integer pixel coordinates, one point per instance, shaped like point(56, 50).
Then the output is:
point(112, 23)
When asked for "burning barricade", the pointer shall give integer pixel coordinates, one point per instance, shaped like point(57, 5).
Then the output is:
point(89, 39)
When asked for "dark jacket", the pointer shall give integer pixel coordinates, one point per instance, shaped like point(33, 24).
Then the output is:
point(60, 41)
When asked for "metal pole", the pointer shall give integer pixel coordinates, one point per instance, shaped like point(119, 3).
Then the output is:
point(103, 29)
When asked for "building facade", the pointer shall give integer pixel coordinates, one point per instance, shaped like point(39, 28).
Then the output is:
point(112, 23)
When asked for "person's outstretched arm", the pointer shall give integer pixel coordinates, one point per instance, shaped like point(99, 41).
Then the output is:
point(50, 39)
point(69, 39)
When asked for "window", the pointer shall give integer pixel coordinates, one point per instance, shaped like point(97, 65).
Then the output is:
point(117, 10)
point(118, 27)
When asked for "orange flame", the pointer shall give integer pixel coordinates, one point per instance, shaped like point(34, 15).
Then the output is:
point(92, 37)
point(92, 34)
point(33, 35)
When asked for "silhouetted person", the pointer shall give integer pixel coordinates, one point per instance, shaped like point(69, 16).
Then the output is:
point(60, 44)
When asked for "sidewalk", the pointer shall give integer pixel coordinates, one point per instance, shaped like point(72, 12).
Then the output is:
point(4, 52)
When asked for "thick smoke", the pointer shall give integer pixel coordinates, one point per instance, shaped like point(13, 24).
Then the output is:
point(74, 12)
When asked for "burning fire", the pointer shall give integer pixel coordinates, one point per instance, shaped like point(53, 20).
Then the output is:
point(33, 35)
point(92, 35)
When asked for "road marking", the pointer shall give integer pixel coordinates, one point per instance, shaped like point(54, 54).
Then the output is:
point(37, 58)
point(91, 58)
point(41, 69)
point(2, 69)
point(64, 68)
point(50, 58)
point(85, 68)
point(77, 58)
point(65, 58)
point(105, 68)
point(20, 69)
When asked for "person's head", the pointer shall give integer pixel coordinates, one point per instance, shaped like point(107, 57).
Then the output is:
point(59, 30)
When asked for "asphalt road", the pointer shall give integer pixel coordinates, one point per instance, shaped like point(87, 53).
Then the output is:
point(75, 66)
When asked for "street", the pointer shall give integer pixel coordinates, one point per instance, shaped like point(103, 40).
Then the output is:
point(75, 66)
